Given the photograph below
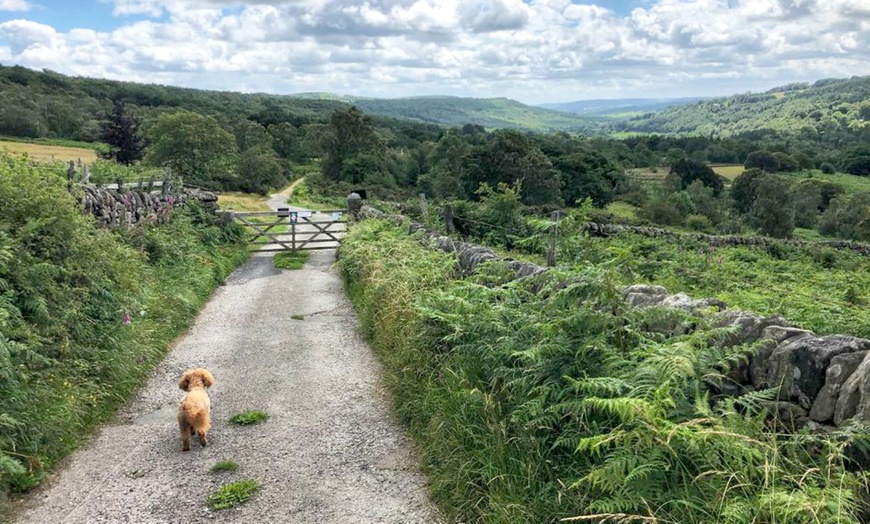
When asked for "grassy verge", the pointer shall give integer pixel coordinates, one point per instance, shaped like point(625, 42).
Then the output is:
point(533, 402)
point(85, 312)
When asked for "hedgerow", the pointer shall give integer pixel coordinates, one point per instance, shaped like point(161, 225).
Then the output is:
point(85, 312)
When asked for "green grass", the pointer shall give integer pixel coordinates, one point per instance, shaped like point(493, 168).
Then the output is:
point(249, 417)
point(850, 184)
point(224, 465)
point(233, 494)
point(622, 210)
point(297, 317)
point(291, 259)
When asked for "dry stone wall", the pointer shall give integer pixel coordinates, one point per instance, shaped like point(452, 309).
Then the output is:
point(114, 208)
point(823, 381)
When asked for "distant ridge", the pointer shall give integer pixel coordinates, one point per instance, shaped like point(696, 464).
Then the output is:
point(822, 108)
point(619, 106)
point(486, 112)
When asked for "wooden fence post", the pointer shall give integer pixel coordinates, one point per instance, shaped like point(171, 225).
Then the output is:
point(551, 248)
point(448, 219)
point(70, 176)
point(423, 210)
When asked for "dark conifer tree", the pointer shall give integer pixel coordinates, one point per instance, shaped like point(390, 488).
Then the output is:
point(121, 133)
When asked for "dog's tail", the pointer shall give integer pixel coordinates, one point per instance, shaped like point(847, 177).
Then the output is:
point(199, 419)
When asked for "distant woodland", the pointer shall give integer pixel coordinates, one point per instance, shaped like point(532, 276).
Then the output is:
point(798, 145)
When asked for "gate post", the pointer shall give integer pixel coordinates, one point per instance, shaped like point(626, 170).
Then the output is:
point(354, 205)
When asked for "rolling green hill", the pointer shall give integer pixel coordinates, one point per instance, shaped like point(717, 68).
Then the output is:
point(486, 112)
point(826, 107)
point(619, 107)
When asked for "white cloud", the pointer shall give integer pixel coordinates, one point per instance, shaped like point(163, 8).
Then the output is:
point(15, 5)
point(538, 50)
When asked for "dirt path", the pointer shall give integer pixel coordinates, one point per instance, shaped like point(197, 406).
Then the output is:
point(331, 451)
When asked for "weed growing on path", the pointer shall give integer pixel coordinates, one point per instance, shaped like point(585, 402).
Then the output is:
point(249, 417)
point(233, 494)
point(291, 259)
point(224, 465)
point(297, 317)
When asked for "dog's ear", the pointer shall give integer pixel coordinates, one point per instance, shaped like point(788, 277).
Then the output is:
point(207, 378)
point(185, 381)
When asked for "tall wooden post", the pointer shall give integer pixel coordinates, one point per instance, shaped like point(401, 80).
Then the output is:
point(70, 176)
point(551, 248)
point(423, 210)
point(448, 219)
point(167, 182)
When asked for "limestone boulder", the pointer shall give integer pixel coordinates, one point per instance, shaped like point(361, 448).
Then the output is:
point(854, 397)
point(644, 295)
point(839, 370)
point(798, 364)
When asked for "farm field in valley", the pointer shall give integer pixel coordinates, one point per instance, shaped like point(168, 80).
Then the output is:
point(49, 153)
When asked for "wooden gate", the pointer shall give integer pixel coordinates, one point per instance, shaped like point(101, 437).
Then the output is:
point(285, 230)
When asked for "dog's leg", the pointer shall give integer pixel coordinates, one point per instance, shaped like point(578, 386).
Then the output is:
point(185, 435)
point(202, 437)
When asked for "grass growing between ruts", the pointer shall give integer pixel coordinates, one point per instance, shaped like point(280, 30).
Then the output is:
point(292, 260)
point(233, 494)
point(224, 465)
point(532, 402)
point(249, 417)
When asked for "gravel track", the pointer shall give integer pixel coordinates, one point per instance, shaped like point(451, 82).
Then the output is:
point(330, 451)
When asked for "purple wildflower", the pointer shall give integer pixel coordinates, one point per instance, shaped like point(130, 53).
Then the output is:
point(126, 317)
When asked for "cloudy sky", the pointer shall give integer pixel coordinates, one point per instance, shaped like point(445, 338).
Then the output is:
point(532, 50)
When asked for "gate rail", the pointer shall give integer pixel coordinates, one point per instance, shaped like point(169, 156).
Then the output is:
point(303, 230)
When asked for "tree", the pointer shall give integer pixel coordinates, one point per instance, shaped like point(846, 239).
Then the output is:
point(588, 174)
point(773, 209)
point(349, 133)
point(195, 147)
point(743, 189)
point(763, 160)
point(506, 158)
point(250, 134)
point(687, 171)
point(122, 135)
point(260, 170)
point(857, 161)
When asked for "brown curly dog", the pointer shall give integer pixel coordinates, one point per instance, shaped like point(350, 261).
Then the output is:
point(193, 413)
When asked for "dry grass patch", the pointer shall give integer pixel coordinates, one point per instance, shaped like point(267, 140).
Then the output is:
point(46, 153)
